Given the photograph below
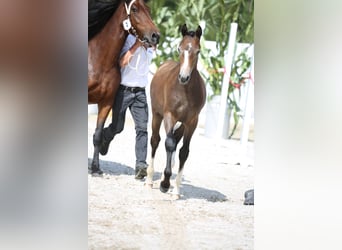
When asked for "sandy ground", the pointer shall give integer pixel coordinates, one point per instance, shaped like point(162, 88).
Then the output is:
point(125, 214)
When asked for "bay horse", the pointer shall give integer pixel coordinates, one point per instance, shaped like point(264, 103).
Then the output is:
point(109, 23)
point(177, 96)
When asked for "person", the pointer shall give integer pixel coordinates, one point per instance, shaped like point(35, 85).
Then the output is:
point(134, 62)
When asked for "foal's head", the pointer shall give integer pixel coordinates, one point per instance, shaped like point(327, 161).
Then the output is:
point(140, 17)
point(188, 49)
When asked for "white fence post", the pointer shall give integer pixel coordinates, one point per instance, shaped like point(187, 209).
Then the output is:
point(226, 77)
point(248, 105)
point(247, 117)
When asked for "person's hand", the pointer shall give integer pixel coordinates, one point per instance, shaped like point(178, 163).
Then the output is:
point(124, 60)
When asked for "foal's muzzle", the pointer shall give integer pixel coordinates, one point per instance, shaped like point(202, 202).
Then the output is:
point(183, 79)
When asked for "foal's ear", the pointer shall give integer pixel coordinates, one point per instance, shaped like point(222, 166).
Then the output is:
point(184, 29)
point(199, 32)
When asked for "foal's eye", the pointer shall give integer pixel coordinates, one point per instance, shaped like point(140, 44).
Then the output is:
point(178, 49)
point(134, 9)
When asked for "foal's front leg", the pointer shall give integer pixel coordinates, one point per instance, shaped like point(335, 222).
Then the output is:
point(170, 146)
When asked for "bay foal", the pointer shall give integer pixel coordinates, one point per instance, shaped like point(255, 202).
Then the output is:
point(177, 97)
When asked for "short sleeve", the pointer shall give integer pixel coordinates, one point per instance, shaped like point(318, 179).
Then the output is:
point(130, 41)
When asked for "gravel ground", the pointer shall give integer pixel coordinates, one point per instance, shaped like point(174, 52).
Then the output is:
point(125, 214)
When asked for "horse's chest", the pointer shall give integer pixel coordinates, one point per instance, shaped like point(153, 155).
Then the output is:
point(184, 105)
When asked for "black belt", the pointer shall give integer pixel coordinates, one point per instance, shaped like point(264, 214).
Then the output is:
point(132, 89)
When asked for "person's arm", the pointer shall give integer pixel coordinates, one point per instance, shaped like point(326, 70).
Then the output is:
point(124, 60)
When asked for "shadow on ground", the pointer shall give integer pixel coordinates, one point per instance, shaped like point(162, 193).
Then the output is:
point(113, 168)
point(188, 191)
point(193, 192)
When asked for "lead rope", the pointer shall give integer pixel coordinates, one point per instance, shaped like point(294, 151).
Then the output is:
point(143, 50)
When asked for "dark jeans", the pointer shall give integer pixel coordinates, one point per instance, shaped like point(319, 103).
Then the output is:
point(137, 104)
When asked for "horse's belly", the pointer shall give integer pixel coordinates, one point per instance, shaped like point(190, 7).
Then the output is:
point(102, 88)
point(101, 93)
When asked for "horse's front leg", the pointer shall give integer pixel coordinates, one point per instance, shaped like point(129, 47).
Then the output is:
point(101, 118)
point(170, 146)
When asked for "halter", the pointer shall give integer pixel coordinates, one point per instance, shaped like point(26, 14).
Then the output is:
point(127, 22)
point(128, 9)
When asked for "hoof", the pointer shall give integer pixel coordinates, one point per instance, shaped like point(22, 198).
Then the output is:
point(163, 189)
point(96, 172)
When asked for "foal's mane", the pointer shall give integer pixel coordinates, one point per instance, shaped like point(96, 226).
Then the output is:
point(191, 33)
point(99, 12)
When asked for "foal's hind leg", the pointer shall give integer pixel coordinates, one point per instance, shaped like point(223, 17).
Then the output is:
point(184, 153)
point(101, 118)
point(155, 139)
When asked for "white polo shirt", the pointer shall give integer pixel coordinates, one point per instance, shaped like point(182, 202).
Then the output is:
point(135, 73)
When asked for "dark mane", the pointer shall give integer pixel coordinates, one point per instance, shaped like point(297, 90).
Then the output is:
point(99, 12)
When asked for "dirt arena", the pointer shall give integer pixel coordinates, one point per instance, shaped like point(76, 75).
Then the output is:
point(124, 214)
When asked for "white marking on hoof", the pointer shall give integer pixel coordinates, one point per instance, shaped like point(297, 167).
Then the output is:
point(173, 159)
point(176, 190)
point(148, 185)
point(150, 172)
point(175, 196)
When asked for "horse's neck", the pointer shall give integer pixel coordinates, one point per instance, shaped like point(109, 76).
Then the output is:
point(197, 88)
point(112, 38)
point(194, 74)
point(114, 31)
